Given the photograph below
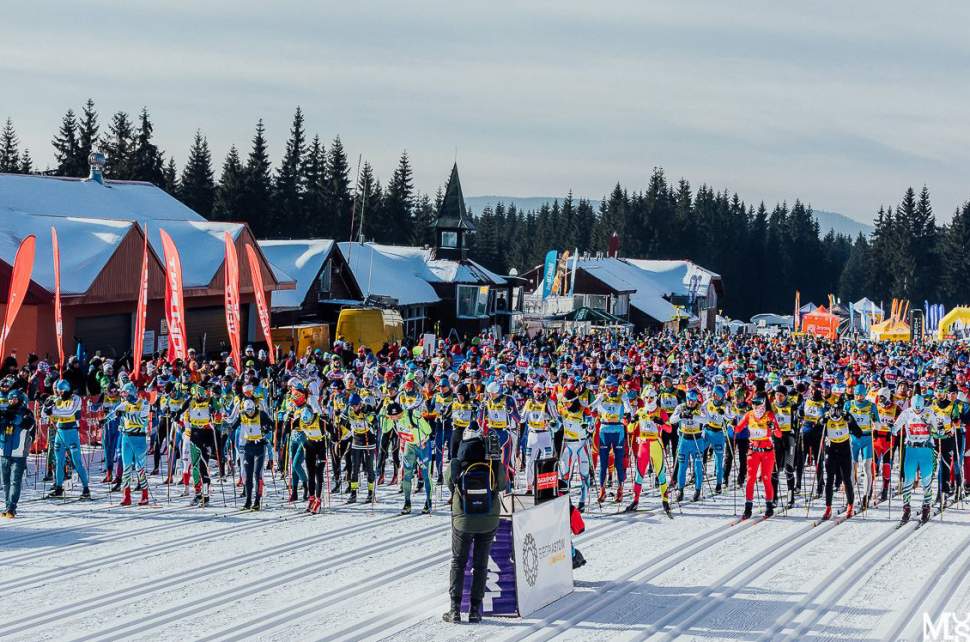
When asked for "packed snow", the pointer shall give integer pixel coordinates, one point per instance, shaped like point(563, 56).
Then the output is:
point(96, 571)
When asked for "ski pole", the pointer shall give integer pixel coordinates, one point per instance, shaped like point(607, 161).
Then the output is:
point(222, 486)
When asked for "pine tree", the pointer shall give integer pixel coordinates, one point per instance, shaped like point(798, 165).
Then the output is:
point(955, 246)
point(26, 163)
point(290, 181)
point(315, 220)
point(170, 180)
point(399, 203)
point(66, 149)
point(424, 220)
point(118, 147)
point(87, 132)
point(197, 187)
point(367, 206)
point(9, 156)
point(339, 201)
point(852, 281)
point(257, 202)
point(147, 163)
point(231, 193)
point(879, 277)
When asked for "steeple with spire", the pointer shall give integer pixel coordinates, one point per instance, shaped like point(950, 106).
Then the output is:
point(454, 223)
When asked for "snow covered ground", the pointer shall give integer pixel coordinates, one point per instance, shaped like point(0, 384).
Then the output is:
point(95, 571)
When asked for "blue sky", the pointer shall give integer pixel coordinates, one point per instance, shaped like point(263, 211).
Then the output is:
point(840, 104)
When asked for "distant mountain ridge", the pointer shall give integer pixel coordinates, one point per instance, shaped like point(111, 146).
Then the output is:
point(841, 223)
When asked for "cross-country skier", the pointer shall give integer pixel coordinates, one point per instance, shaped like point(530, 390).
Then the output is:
point(866, 416)
point(415, 433)
point(762, 427)
point(132, 414)
point(650, 452)
point(575, 447)
point(64, 410)
point(360, 419)
point(254, 425)
point(917, 426)
point(689, 418)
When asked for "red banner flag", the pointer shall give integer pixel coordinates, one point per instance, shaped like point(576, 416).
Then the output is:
point(23, 266)
point(58, 317)
point(174, 304)
point(140, 311)
point(261, 306)
point(232, 300)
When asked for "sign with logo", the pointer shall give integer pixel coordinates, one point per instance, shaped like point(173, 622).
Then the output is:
point(542, 542)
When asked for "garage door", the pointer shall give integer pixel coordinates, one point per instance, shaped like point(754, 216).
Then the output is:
point(207, 329)
point(110, 333)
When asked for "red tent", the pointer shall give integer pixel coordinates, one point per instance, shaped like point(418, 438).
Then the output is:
point(821, 323)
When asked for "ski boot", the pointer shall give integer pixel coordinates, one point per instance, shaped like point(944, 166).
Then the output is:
point(619, 495)
point(117, 485)
point(453, 615)
point(154, 471)
point(309, 505)
point(632, 508)
point(850, 511)
point(602, 495)
point(717, 489)
point(348, 488)
point(769, 509)
point(56, 492)
point(680, 495)
point(697, 495)
point(256, 503)
point(925, 515)
point(85, 493)
point(380, 480)
point(353, 497)
point(441, 478)
point(370, 495)
point(292, 495)
point(666, 507)
point(827, 514)
point(578, 559)
point(905, 516)
point(197, 500)
point(48, 477)
point(394, 478)
point(126, 500)
point(747, 510)
point(107, 477)
point(791, 499)
point(407, 508)
point(865, 502)
point(144, 497)
point(427, 508)
point(306, 493)
point(475, 613)
point(247, 505)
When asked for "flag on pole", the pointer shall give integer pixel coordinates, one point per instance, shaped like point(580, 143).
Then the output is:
point(23, 266)
point(549, 272)
point(140, 310)
point(58, 317)
point(798, 311)
point(261, 308)
point(232, 300)
point(174, 304)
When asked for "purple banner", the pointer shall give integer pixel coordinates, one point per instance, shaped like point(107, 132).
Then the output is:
point(500, 586)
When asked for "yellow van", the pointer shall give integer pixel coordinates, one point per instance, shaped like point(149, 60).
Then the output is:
point(300, 337)
point(371, 327)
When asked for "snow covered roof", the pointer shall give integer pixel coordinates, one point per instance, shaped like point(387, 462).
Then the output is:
point(674, 278)
point(85, 244)
point(61, 196)
point(466, 271)
point(866, 305)
point(393, 271)
point(625, 277)
point(770, 318)
point(299, 261)
point(201, 247)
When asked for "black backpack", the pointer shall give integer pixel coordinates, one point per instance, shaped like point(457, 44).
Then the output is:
point(476, 489)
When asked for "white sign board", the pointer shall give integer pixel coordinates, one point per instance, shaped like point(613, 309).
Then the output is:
point(148, 344)
point(542, 541)
point(429, 342)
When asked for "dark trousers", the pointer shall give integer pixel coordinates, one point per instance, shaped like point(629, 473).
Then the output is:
point(315, 462)
point(158, 441)
point(461, 545)
point(362, 457)
point(838, 469)
point(389, 445)
point(810, 445)
point(784, 461)
point(254, 453)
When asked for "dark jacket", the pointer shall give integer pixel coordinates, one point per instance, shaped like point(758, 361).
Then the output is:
point(472, 451)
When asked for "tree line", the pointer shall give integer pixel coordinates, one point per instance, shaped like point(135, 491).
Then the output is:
point(763, 254)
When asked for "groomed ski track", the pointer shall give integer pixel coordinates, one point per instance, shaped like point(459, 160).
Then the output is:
point(79, 571)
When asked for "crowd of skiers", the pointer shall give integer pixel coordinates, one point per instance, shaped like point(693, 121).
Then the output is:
point(791, 417)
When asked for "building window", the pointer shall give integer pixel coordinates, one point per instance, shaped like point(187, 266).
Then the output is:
point(598, 302)
point(449, 239)
point(472, 301)
point(325, 278)
point(622, 305)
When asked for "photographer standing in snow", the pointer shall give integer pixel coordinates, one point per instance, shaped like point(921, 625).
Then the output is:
point(475, 478)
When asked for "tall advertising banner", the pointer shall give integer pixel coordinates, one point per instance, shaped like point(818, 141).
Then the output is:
point(23, 266)
point(261, 308)
point(140, 311)
point(232, 300)
point(542, 541)
point(549, 272)
point(174, 303)
point(58, 317)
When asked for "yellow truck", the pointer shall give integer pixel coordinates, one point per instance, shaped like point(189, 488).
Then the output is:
point(300, 337)
point(371, 327)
